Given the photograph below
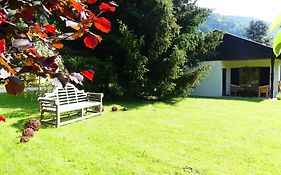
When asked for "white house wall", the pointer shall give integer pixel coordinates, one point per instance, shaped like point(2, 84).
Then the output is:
point(211, 85)
point(276, 76)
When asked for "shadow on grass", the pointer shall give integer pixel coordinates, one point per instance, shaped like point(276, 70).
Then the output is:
point(25, 107)
point(133, 103)
point(22, 101)
point(247, 99)
point(19, 124)
point(21, 107)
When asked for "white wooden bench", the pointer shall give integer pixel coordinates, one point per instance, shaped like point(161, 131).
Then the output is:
point(67, 99)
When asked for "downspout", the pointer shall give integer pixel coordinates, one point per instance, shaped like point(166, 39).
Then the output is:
point(272, 78)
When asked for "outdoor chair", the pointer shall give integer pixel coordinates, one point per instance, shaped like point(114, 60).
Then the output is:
point(236, 89)
point(264, 90)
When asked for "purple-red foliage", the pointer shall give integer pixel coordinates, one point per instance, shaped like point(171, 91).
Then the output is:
point(25, 23)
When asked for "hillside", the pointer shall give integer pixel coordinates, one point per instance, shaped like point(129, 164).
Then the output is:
point(231, 24)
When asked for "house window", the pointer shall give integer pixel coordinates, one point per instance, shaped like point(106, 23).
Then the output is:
point(250, 75)
point(235, 76)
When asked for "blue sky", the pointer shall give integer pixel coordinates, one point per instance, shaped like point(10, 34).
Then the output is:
point(265, 10)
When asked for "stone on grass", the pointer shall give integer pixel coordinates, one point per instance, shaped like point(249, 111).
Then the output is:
point(28, 132)
point(114, 109)
point(125, 109)
point(97, 108)
point(24, 139)
point(33, 123)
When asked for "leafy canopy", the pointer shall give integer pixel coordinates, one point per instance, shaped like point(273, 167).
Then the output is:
point(155, 49)
point(257, 31)
point(277, 40)
point(30, 27)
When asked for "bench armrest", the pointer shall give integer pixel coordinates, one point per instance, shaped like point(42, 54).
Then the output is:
point(95, 96)
point(264, 87)
point(43, 100)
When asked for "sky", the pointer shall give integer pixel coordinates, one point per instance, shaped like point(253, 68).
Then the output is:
point(260, 9)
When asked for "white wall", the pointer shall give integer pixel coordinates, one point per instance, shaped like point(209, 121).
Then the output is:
point(212, 84)
point(276, 76)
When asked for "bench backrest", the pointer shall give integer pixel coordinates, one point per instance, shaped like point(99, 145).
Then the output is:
point(67, 95)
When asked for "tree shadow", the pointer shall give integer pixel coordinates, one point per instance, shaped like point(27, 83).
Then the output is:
point(246, 99)
point(19, 124)
point(135, 103)
point(23, 107)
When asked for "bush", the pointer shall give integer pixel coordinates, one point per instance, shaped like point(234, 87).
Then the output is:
point(136, 62)
point(278, 96)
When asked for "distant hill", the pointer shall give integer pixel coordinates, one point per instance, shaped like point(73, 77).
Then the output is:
point(231, 24)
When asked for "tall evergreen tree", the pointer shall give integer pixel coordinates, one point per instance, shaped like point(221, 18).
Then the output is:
point(257, 31)
point(155, 50)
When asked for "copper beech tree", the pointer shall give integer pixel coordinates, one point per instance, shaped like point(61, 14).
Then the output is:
point(27, 24)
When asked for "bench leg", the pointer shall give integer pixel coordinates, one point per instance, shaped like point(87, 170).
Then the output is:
point(42, 115)
point(101, 108)
point(82, 112)
point(58, 119)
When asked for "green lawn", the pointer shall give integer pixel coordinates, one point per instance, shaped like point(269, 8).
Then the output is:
point(188, 136)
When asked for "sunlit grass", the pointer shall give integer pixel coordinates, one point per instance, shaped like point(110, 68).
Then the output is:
point(207, 136)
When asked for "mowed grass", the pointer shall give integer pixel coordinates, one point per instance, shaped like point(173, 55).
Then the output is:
point(183, 136)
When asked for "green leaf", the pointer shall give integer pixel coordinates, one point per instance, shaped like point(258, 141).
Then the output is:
point(276, 23)
point(277, 44)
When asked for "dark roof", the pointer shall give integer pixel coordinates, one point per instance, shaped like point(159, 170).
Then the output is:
point(236, 48)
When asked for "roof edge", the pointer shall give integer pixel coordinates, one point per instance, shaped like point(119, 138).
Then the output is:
point(236, 36)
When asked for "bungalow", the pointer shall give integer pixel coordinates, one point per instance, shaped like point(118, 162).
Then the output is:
point(241, 68)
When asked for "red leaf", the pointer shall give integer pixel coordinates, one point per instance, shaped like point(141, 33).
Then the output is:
point(2, 45)
point(91, 1)
point(49, 63)
point(91, 41)
point(91, 15)
point(27, 14)
point(99, 38)
point(89, 74)
point(50, 29)
point(32, 51)
point(102, 24)
point(104, 7)
point(2, 119)
point(76, 78)
point(113, 3)
point(59, 80)
point(77, 34)
point(57, 45)
point(14, 86)
point(63, 80)
point(4, 74)
point(77, 6)
point(43, 35)
point(7, 66)
point(22, 44)
point(72, 24)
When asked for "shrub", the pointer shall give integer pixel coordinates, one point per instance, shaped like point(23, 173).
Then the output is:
point(278, 96)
